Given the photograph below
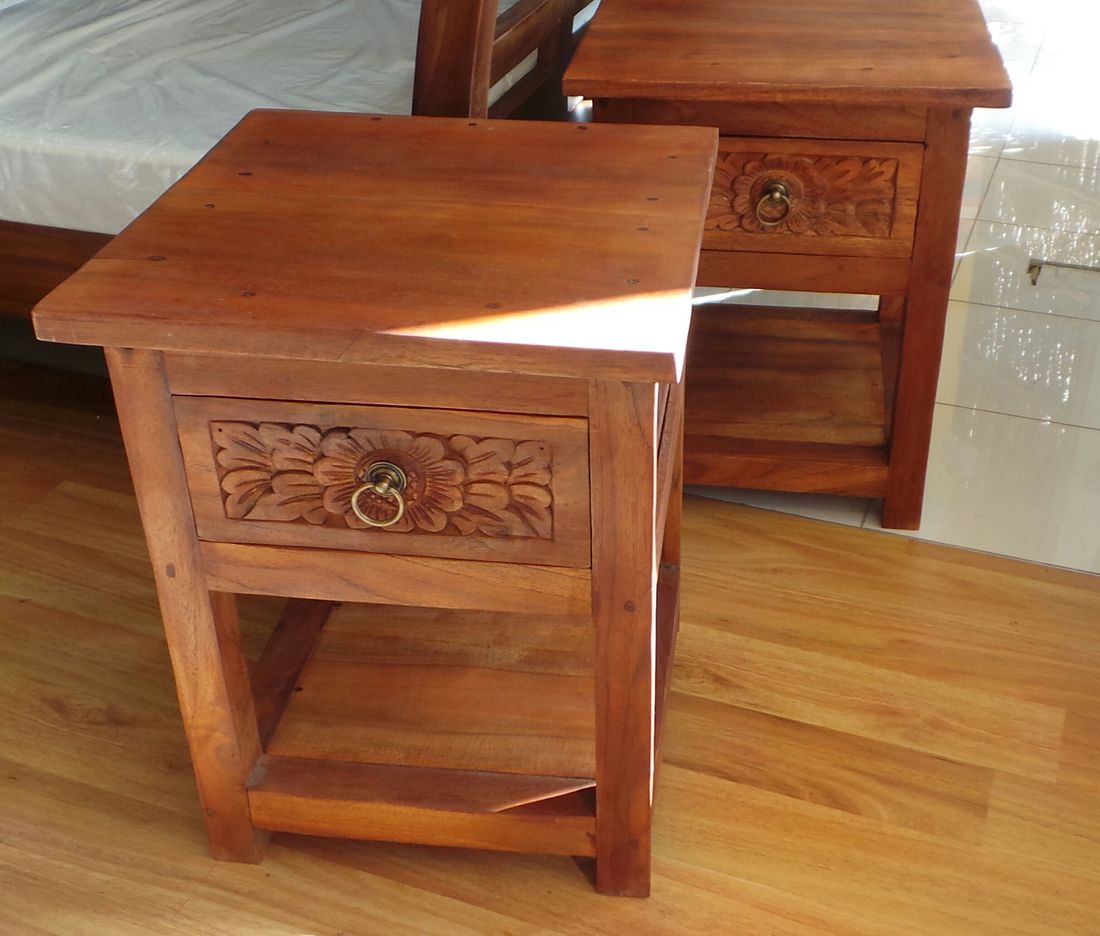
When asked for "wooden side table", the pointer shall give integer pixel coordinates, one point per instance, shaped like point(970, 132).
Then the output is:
point(430, 369)
point(841, 164)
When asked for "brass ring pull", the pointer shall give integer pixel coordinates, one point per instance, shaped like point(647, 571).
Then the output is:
point(386, 480)
point(775, 193)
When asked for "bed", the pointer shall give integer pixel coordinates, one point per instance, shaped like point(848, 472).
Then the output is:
point(105, 103)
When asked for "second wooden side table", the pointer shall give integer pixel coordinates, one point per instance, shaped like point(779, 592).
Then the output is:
point(841, 163)
point(430, 369)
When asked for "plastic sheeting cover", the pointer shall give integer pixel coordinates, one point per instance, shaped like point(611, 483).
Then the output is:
point(105, 103)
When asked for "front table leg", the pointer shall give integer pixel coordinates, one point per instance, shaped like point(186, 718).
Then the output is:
point(201, 626)
point(623, 429)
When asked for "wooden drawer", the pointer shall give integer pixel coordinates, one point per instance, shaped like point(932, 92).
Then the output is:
point(485, 486)
point(814, 197)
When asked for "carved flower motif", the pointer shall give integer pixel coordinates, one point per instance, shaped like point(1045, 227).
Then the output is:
point(458, 485)
point(508, 493)
point(434, 486)
point(268, 471)
point(829, 196)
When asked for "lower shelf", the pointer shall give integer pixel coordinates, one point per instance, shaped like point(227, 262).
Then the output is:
point(438, 727)
point(451, 690)
point(786, 399)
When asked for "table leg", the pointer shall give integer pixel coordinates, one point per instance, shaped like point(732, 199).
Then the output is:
point(671, 535)
point(925, 315)
point(201, 626)
point(623, 430)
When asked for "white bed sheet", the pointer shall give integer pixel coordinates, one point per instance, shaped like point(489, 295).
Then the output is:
point(105, 103)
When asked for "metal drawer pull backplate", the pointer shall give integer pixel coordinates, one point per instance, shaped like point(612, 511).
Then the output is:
point(775, 193)
point(386, 480)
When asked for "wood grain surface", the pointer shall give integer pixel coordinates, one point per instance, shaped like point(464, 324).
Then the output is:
point(624, 427)
point(419, 581)
point(814, 120)
point(837, 794)
point(404, 240)
point(469, 809)
point(797, 273)
point(797, 375)
point(397, 686)
point(281, 379)
point(921, 52)
point(453, 63)
point(926, 315)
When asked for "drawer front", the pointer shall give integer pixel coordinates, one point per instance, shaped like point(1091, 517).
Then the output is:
point(484, 486)
point(814, 197)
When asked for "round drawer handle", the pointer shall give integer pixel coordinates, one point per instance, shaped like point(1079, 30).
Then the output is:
point(386, 480)
point(775, 193)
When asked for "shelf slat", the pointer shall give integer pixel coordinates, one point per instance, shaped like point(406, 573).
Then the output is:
point(507, 812)
point(447, 690)
point(785, 466)
point(779, 374)
point(786, 399)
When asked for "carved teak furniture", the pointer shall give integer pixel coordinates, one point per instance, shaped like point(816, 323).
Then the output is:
point(844, 142)
point(430, 368)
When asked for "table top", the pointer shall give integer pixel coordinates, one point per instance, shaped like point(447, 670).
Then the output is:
point(499, 245)
point(859, 52)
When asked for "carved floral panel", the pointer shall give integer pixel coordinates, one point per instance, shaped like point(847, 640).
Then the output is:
point(458, 485)
point(830, 196)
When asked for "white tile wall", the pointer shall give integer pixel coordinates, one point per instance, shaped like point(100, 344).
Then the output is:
point(1015, 461)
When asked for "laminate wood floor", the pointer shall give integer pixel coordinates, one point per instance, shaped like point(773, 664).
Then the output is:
point(868, 736)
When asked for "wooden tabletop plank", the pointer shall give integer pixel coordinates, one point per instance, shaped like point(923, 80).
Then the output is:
point(861, 52)
point(569, 249)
